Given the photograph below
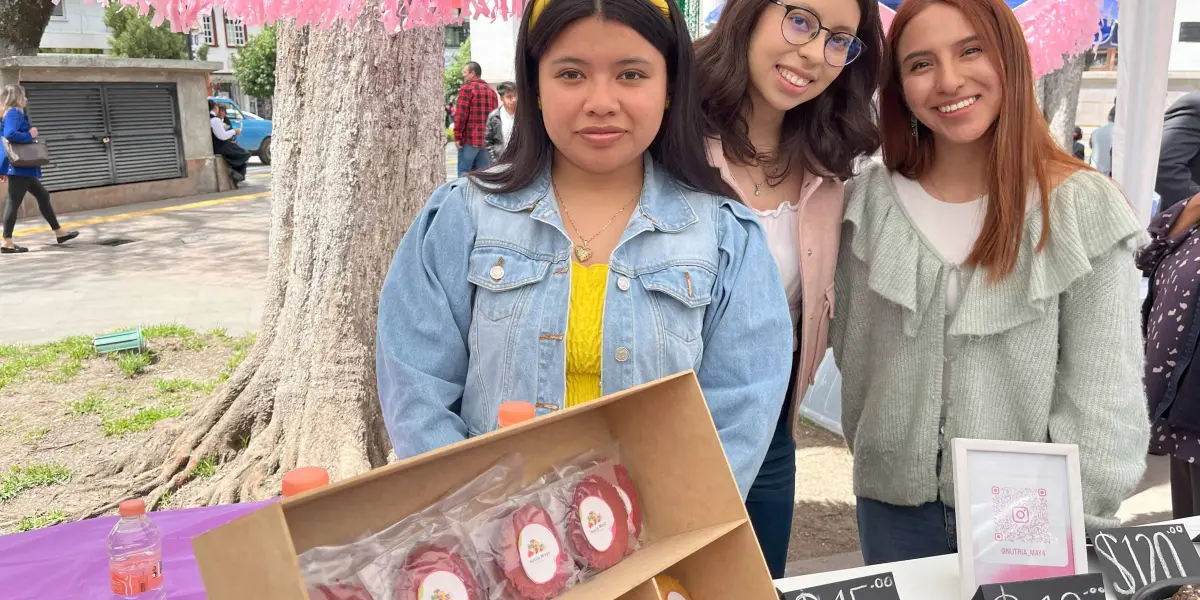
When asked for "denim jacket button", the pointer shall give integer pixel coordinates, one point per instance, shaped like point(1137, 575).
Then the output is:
point(622, 354)
point(497, 273)
point(623, 283)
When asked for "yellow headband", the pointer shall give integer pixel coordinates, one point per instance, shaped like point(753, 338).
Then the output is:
point(540, 5)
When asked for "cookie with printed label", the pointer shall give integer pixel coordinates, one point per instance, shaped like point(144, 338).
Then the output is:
point(629, 495)
point(433, 572)
point(597, 525)
point(536, 564)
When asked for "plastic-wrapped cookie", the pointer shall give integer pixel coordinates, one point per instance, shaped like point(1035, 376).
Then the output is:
point(1187, 592)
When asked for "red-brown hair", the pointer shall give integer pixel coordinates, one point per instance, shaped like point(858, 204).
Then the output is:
point(1023, 151)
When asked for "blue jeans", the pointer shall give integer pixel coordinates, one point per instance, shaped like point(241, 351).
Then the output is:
point(890, 533)
point(772, 498)
point(472, 158)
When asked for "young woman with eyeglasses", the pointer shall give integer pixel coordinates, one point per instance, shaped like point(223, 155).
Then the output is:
point(786, 93)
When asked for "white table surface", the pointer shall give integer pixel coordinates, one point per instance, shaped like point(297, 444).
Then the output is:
point(927, 578)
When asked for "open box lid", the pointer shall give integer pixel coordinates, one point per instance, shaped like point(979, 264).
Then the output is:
point(667, 441)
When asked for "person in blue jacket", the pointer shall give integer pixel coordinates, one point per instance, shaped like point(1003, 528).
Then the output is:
point(603, 252)
point(23, 180)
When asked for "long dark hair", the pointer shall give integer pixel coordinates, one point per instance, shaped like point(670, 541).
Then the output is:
point(824, 135)
point(679, 145)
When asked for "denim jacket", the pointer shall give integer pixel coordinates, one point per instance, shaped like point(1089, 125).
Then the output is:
point(474, 312)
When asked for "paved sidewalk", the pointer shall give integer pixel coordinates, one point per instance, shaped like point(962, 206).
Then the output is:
point(196, 261)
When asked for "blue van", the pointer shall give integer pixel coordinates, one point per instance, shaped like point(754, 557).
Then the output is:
point(256, 131)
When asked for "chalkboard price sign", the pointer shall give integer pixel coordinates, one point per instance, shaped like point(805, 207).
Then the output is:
point(1089, 586)
point(873, 587)
point(1135, 557)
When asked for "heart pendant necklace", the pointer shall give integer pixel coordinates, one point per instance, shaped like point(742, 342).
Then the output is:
point(582, 252)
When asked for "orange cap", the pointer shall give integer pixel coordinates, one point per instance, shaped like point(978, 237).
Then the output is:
point(132, 508)
point(513, 412)
point(304, 479)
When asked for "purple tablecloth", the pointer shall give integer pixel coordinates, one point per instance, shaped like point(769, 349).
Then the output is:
point(70, 561)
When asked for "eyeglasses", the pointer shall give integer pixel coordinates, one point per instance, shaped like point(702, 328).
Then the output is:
point(801, 26)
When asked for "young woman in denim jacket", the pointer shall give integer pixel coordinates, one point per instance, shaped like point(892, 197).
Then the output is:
point(605, 253)
point(785, 87)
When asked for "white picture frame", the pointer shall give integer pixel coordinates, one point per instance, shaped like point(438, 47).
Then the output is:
point(1018, 511)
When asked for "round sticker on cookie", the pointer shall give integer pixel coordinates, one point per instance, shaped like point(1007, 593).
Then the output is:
point(597, 518)
point(675, 596)
point(442, 585)
point(539, 553)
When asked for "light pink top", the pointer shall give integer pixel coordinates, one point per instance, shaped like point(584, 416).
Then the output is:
point(818, 231)
point(782, 226)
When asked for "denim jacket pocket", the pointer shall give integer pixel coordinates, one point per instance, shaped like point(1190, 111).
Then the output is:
point(682, 295)
point(503, 277)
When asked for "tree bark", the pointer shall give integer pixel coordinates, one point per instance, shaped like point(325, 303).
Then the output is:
point(1058, 95)
point(358, 150)
point(22, 23)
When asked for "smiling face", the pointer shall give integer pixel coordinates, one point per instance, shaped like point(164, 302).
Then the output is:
point(950, 82)
point(603, 94)
point(784, 75)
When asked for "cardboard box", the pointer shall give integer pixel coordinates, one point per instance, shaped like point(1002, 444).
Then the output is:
point(696, 528)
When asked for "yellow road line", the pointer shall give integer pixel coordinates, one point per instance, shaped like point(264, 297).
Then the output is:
point(143, 213)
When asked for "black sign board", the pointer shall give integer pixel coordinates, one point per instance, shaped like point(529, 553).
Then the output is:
point(1089, 586)
point(1134, 557)
point(881, 586)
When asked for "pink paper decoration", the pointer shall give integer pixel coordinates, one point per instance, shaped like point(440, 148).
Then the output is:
point(1053, 29)
point(395, 14)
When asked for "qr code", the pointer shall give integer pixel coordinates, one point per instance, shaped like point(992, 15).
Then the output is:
point(1021, 515)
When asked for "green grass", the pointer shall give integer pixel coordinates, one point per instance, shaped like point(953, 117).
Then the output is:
point(241, 349)
point(39, 520)
point(36, 435)
point(20, 359)
point(142, 420)
point(34, 475)
point(220, 333)
point(94, 403)
point(133, 363)
point(165, 500)
point(174, 386)
point(205, 468)
point(152, 332)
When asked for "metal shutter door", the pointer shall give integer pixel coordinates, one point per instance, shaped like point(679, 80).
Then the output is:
point(70, 121)
point(144, 123)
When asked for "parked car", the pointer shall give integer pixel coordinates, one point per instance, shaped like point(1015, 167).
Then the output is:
point(256, 131)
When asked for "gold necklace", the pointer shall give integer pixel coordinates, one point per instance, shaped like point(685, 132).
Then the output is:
point(582, 252)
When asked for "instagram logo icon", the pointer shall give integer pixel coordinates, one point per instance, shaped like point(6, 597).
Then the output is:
point(1020, 514)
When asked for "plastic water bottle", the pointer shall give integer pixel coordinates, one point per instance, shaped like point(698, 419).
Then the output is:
point(135, 555)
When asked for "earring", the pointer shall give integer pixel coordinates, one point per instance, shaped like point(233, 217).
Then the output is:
point(915, 128)
point(668, 105)
point(539, 103)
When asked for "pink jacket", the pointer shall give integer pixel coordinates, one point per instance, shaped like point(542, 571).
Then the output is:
point(820, 218)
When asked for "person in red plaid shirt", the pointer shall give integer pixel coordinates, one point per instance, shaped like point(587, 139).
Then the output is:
point(476, 100)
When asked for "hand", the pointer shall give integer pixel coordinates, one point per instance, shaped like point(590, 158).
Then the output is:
point(1189, 217)
point(3, 180)
point(237, 131)
point(33, 131)
point(458, 144)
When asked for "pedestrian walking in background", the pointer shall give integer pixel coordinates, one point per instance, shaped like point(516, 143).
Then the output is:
point(1169, 321)
point(1077, 149)
point(500, 121)
point(786, 96)
point(223, 143)
point(1101, 143)
point(23, 180)
point(476, 101)
point(1179, 157)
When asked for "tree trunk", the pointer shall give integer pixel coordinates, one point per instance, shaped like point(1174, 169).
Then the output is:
point(22, 23)
point(358, 150)
point(1058, 95)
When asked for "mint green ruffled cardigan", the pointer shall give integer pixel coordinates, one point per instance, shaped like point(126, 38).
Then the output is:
point(1053, 352)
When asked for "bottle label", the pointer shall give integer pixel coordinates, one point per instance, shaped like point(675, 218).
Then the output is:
point(539, 553)
point(596, 517)
point(136, 578)
point(442, 585)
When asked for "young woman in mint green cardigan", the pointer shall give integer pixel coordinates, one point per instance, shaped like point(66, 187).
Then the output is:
point(986, 286)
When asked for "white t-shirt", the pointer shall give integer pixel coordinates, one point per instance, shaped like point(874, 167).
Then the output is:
point(782, 227)
point(506, 126)
point(950, 228)
point(218, 128)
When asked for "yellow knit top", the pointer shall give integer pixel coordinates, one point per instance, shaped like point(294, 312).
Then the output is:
point(584, 332)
